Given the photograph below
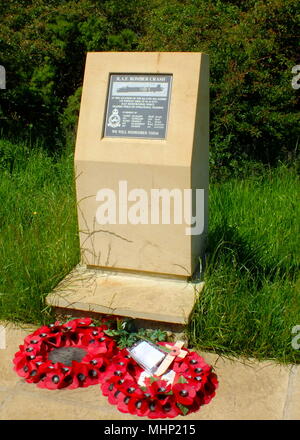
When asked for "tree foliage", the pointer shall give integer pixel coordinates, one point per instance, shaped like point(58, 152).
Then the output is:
point(253, 46)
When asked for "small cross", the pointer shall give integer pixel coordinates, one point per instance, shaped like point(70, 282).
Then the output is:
point(175, 352)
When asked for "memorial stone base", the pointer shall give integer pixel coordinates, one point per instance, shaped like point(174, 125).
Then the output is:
point(151, 300)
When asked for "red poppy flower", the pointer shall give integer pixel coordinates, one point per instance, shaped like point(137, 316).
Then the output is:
point(160, 386)
point(44, 330)
point(123, 402)
point(54, 340)
point(116, 371)
point(33, 339)
point(77, 324)
point(197, 402)
point(209, 389)
point(197, 361)
point(53, 380)
point(158, 389)
point(24, 369)
point(137, 406)
point(184, 393)
point(92, 335)
point(49, 375)
point(169, 407)
point(81, 377)
point(155, 410)
point(130, 388)
point(213, 380)
point(93, 346)
point(106, 387)
point(115, 394)
point(19, 355)
point(180, 366)
point(96, 362)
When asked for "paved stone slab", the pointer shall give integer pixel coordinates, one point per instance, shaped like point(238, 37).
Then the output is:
point(292, 404)
point(24, 406)
point(14, 336)
point(90, 396)
point(141, 297)
point(4, 393)
point(249, 390)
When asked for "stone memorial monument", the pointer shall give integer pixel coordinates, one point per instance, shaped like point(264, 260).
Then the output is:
point(141, 165)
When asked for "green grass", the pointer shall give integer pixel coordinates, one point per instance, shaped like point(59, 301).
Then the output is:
point(251, 300)
point(38, 229)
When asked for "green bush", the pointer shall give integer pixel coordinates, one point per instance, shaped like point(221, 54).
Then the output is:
point(253, 46)
point(43, 47)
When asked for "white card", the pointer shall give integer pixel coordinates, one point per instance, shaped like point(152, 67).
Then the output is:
point(147, 355)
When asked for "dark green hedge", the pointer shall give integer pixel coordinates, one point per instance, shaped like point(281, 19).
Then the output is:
point(253, 46)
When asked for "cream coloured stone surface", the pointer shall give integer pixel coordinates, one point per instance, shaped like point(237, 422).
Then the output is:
point(150, 298)
point(292, 403)
point(24, 407)
point(14, 336)
point(248, 390)
point(180, 161)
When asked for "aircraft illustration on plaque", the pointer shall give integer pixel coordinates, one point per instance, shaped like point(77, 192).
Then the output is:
point(127, 89)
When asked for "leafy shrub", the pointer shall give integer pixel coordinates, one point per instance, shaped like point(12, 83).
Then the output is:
point(43, 47)
point(253, 46)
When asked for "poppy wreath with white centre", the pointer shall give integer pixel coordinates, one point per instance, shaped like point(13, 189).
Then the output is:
point(194, 386)
point(87, 347)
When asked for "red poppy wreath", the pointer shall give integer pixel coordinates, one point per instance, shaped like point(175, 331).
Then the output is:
point(74, 354)
point(79, 353)
point(194, 385)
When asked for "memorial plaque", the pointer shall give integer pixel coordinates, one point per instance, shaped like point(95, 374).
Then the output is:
point(138, 106)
